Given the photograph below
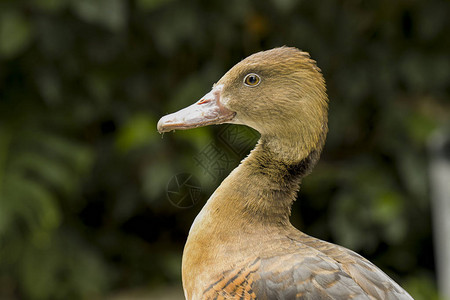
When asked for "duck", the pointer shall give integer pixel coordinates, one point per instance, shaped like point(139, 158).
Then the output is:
point(242, 245)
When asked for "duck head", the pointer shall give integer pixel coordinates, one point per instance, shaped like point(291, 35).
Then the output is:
point(280, 92)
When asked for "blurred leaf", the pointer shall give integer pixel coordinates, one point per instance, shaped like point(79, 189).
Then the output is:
point(432, 19)
point(422, 287)
point(15, 33)
point(50, 86)
point(189, 91)
point(75, 156)
point(170, 34)
point(199, 137)
point(6, 136)
point(387, 207)
point(413, 176)
point(369, 200)
point(50, 5)
point(387, 212)
point(420, 127)
point(99, 86)
point(46, 271)
point(109, 13)
point(140, 130)
point(285, 5)
point(352, 222)
point(171, 265)
point(34, 205)
point(49, 170)
point(155, 181)
point(149, 5)
point(413, 67)
point(40, 168)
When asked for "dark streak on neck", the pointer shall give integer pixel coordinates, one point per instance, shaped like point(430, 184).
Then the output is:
point(302, 168)
point(266, 162)
point(277, 184)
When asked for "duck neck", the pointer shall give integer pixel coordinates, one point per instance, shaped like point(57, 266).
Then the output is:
point(263, 188)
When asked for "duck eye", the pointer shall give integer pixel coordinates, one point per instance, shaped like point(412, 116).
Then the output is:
point(252, 79)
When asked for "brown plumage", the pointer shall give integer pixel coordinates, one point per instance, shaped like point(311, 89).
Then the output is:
point(242, 245)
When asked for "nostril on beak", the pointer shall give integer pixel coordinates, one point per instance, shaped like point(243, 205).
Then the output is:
point(203, 101)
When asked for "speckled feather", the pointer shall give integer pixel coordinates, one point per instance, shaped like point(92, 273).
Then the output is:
point(311, 269)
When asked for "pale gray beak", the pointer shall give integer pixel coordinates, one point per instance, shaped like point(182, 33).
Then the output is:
point(208, 110)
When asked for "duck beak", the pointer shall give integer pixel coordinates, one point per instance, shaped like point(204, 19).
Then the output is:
point(208, 110)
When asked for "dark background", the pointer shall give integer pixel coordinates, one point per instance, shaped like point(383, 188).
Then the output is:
point(85, 179)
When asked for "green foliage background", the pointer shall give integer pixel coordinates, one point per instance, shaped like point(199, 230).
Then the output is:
point(83, 172)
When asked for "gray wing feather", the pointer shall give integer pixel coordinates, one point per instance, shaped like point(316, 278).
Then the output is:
point(320, 270)
point(309, 278)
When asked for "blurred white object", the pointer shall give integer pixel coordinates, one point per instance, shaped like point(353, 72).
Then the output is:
point(439, 145)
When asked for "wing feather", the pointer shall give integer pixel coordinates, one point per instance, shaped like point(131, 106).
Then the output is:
point(308, 269)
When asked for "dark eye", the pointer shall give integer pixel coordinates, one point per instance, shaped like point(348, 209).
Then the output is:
point(252, 79)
